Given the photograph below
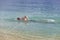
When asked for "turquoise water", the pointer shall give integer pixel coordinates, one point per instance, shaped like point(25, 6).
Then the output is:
point(37, 27)
point(43, 15)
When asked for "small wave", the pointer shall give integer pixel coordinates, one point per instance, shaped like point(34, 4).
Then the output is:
point(49, 20)
point(35, 20)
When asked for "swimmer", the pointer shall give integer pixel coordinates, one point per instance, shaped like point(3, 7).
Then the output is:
point(25, 18)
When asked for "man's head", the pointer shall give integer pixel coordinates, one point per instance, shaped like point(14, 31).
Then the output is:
point(25, 16)
point(18, 18)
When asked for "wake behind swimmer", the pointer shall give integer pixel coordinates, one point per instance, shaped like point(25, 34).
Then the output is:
point(49, 20)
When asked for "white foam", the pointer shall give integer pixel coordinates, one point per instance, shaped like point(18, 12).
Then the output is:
point(49, 20)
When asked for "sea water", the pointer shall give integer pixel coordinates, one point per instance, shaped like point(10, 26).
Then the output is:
point(39, 27)
point(42, 28)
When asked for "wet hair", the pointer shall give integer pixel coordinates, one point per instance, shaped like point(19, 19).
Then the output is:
point(18, 18)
